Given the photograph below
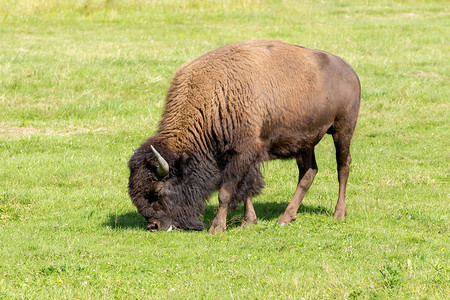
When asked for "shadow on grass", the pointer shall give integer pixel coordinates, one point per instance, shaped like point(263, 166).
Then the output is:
point(269, 211)
point(129, 220)
point(264, 211)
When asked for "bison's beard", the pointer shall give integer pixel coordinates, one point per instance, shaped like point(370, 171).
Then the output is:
point(191, 223)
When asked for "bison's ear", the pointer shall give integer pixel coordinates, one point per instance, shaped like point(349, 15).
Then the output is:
point(181, 162)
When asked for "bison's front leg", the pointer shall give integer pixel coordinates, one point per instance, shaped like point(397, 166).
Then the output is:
point(249, 213)
point(219, 223)
point(240, 180)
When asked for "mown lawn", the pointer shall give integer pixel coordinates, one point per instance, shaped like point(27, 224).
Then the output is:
point(82, 82)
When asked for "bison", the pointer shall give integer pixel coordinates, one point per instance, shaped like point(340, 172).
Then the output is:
point(228, 111)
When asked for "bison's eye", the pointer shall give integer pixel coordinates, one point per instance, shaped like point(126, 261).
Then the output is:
point(153, 226)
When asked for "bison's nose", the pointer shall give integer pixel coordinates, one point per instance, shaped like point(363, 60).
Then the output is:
point(153, 226)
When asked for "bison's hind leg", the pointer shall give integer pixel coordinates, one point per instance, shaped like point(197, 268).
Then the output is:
point(343, 160)
point(307, 167)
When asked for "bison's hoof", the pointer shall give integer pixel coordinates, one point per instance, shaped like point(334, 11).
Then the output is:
point(283, 220)
point(281, 223)
point(216, 229)
point(247, 223)
point(340, 214)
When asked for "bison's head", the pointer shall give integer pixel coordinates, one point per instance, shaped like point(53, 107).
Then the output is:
point(158, 189)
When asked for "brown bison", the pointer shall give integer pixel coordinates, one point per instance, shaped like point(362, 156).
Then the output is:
point(230, 110)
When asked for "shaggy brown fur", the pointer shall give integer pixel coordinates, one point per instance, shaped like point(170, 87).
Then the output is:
point(233, 108)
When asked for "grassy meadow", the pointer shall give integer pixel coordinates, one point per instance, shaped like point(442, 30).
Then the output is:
point(82, 82)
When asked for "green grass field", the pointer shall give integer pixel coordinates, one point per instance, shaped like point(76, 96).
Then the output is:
point(82, 82)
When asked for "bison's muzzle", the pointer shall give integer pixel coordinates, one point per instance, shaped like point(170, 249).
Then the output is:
point(155, 225)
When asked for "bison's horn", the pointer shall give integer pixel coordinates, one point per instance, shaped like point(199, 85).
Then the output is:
point(163, 166)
